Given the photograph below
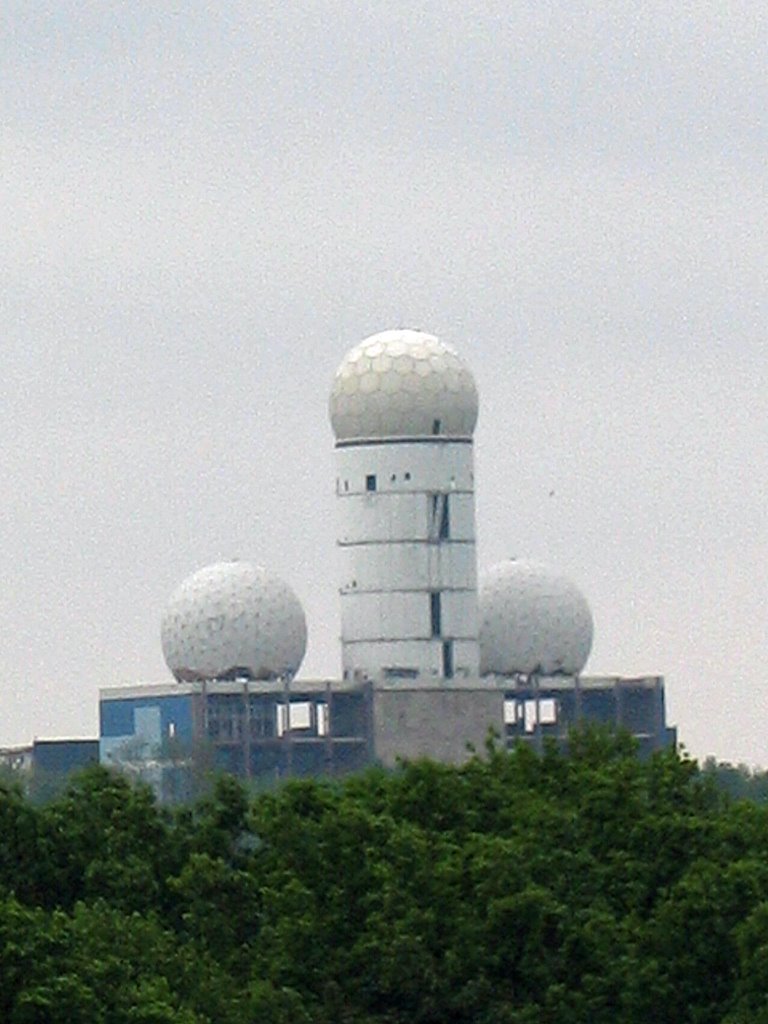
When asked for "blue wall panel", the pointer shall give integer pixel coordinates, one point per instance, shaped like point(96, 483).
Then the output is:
point(118, 716)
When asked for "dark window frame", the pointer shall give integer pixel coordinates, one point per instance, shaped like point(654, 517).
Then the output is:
point(448, 666)
point(435, 614)
point(439, 525)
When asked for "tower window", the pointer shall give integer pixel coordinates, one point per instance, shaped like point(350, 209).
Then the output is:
point(448, 659)
point(435, 616)
point(439, 527)
point(398, 672)
point(445, 520)
point(370, 482)
point(407, 476)
point(436, 426)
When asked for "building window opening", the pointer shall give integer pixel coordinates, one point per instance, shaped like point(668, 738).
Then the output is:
point(548, 712)
point(439, 518)
point(445, 520)
point(301, 715)
point(261, 713)
point(511, 715)
point(393, 478)
point(538, 712)
point(370, 482)
point(407, 476)
point(346, 485)
point(400, 672)
point(435, 426)
point(435, 614)
point(323, 720)
point(448, 659)
point(295, 716)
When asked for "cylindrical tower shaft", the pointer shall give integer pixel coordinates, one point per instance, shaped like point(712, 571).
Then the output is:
point(407, 542)
point(403, 408)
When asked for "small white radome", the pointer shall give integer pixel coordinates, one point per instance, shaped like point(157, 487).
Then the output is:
point(403, 383)
point(532, 621)
point(230, 620)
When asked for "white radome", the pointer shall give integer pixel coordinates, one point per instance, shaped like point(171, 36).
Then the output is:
point(403, 383)
point(532, 621)
point(233, 619)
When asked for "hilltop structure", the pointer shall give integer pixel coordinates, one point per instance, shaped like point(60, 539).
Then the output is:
point(429, 666)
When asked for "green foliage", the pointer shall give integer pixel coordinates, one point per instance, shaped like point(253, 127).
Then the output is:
point(518, 888)
point(738, 781)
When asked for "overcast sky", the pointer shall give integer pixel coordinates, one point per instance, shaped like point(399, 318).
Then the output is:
point(205, 205)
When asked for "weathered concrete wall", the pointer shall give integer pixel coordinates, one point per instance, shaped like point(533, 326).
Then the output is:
point(436, 723)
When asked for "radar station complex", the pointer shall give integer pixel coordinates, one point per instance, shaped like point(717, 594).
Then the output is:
point(433, 659)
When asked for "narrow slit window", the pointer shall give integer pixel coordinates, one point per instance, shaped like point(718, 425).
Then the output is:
point(433, 516)
point(436, 426)
point(439, 525)
point(370, 482)
point(445, 519)
point(448, 659)
point(400, 672)
point(435, 616)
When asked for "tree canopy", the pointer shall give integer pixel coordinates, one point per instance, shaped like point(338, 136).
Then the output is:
point(517, 888)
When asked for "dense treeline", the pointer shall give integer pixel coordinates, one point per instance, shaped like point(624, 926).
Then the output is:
point(739, 781)
point(518, 888)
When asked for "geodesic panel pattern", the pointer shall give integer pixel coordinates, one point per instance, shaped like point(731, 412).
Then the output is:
point(532, 620)
point(233, 619)
point(402, 384)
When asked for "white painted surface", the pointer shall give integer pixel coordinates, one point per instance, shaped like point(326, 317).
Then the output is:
point(397, 549)
point(422, 566)
point(532, 620)
point(233, 615)
point(402, 383)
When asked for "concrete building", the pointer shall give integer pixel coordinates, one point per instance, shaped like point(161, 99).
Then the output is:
point(256, 729)
point(45, 765)
point(430, 664)
point(16, 760)
point(266, 731)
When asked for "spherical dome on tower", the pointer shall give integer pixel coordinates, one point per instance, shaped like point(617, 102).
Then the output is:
point(233, 620)
point(532, 620)
point(403, 383)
